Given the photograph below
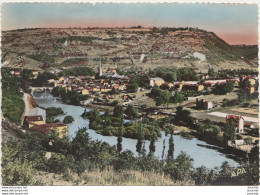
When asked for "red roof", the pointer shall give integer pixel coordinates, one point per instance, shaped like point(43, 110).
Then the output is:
point(46, 127)
point(34, 118)
point(234, 117)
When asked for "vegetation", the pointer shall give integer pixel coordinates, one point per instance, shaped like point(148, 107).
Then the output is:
point(83, 156)
point(178, 97)
point(85, 39)
point(78, 71)
point(68, 119)
point(42, 79)
point(69, 97)
point(220, 50)
point(131, 112)
point(12, 102)
point(225, 88)
point(229, 132)
point(171, 74)
point(108, 125)
point(183, 117)
point(72, 61)
point(43, 57)
point(162, 97)
point(53, 111)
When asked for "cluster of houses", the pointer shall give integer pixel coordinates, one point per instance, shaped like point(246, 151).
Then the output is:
point(85, 85)
point(209, 84)
point(18, 73)
point(35, 120)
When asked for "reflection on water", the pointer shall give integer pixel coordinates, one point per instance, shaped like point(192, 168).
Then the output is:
point(201, 152)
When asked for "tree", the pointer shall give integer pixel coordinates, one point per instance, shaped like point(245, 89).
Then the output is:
point(163, 149)
point(163, 98)
point(212, 73)
point(155, 91)
point(178, 97)
point(118, 111)
point(119, 140)
point(81, 144)
point(152, 142)
point(18, 173)
point(84, 114)
point(43, 78)
point(229, 132)
point(140, 138)
point(224, 88)
point(68, 119)
point(228, 87)
point(248, 140)
point(133, 87)
point(171, 147)
point(131, 112)
point(201, 176)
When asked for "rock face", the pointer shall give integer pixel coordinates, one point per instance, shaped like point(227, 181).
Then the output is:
point(120, 47)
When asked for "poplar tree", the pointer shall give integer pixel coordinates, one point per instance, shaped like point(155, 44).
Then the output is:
point(119, 140)
point(171, 148)
point(140, 138)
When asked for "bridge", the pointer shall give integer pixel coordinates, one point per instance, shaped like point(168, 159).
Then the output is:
point(40, 89)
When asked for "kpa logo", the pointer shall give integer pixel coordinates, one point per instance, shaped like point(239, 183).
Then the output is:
point(238, 172)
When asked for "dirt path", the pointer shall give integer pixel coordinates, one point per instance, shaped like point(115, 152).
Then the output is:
point(28, 106)
point(223, 115)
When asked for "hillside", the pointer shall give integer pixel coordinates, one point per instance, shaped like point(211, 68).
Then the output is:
point(122, 48)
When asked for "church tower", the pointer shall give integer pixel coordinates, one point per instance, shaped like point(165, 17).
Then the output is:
point(100, 68)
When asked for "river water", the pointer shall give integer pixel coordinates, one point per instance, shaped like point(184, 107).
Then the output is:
point(202, 153)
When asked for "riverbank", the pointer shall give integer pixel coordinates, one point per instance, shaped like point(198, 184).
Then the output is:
point(195, 148)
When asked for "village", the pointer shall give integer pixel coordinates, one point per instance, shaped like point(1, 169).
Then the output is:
point(107, 89)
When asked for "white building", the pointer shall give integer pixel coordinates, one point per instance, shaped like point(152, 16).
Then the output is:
point(156, 81)
point(238, 121)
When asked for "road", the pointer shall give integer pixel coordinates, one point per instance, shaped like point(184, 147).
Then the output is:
point(223, 115)
point(26, 97)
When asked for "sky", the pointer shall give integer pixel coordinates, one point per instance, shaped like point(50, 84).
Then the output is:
point(235, 23)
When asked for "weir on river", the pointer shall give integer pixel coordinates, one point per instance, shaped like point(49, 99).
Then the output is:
point(202, 153)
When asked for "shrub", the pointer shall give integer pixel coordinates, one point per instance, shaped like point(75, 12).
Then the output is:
point(68, 119)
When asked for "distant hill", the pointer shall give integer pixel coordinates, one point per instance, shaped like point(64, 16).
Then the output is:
point(145, 48)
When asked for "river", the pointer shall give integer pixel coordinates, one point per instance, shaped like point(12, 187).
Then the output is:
point(202, 153)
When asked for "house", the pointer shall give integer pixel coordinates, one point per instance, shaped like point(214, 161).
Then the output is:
point(251, 89)
point(85, 102)
point(84, 91)
point(249, 126)
point(35, 73)
point(37, 111)
point(235, 81)
point(105, 89)
point(248, 78)
point(208, 84)
point(30, 121)
point(60, 78)
point(50, 81)
point(192, 87)
point(166, 85)
point(203, 104)
point(238, 121)
point(60, 128)
point(178, 86)
point(121, 87)
point(17, 73)
point(156, 81)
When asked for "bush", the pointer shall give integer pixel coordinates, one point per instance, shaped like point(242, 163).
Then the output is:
point(68, 119)
point(18, 173)
point(52, 111)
